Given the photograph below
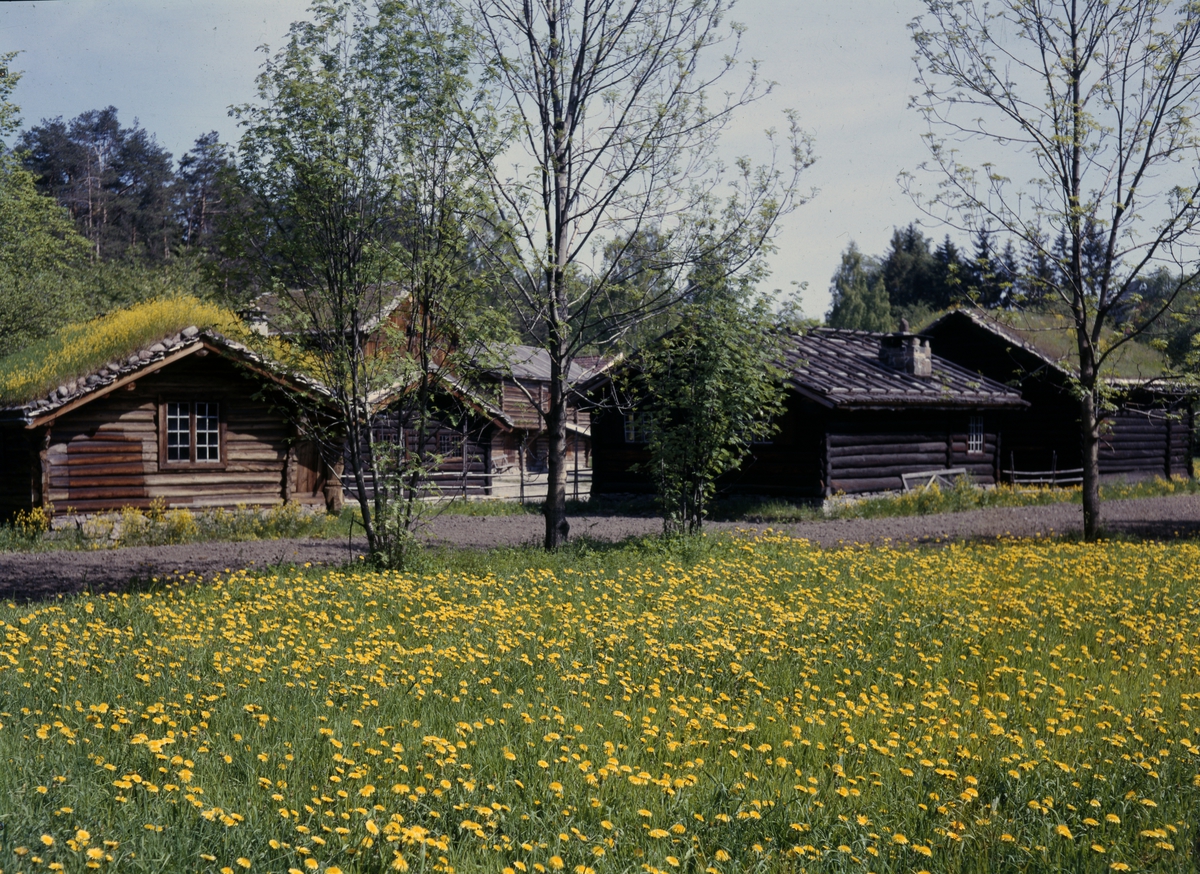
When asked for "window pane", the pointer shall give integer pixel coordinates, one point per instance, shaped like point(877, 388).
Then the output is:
point(975, 435)
point(179, 432)
point(208, 433)
point(449, 445)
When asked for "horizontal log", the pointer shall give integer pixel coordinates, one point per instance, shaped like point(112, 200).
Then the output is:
point(860, 449)
point(842, 439)
point(1144, 454)
point(197, 478)
point(106, 492)
point(883, 471)
point(894, 459)
point(99, 460)
point(108, 469)
point(876, 484)
point(106, 447)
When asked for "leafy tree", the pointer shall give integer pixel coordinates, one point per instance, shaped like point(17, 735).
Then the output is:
point(710, 388)
point(612, 132)
point(39, 248)
point(859, 298)
point(1101, 97)
point(360, 187)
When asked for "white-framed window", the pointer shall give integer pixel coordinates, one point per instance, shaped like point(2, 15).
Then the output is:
point(975, 435)
point(179, 432)
point(191, 433)
point(208, 432)
point(638, 427)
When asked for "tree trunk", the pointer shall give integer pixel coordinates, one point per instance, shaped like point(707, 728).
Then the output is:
point(1090, 430)
point(555, 508)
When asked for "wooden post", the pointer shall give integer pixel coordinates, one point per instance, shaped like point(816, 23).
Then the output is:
point(828, 465)
point(334, 498)
point(463, 453)
point(43, 471)
point(1167, 459)
point(575, 453)
point(1054, 468)
point(521, 464)
point(997, 458)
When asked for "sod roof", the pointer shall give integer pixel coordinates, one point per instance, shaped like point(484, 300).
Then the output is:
point(86, 358)
point(1050, 337)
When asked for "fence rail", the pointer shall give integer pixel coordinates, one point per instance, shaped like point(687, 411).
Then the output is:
point(1056, 476)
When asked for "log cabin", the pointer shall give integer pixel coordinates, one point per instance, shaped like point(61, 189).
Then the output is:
point(490, 433)
point(492, 439)
point(194, 420)
point(1149, 433)
point(862, 410)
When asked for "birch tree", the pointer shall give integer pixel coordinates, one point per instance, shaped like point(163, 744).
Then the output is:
point(612, 136)
point(1091, 106)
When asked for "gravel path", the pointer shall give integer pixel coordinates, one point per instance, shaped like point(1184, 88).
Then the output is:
point(26, 576)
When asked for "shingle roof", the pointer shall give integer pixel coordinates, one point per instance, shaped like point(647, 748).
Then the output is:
point(533, 363)
point(840, 368)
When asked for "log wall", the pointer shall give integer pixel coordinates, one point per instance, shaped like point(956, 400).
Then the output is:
point(818, 452)
point(868, 451)
point(1147, 440)
point(105, 454)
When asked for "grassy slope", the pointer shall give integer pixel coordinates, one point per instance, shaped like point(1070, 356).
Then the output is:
point(726, 705)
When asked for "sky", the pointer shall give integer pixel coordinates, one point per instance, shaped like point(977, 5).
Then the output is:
point(846, 68)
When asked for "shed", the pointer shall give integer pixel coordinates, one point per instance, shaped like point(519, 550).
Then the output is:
point(1149, 433)
point(862, 409)
point(192, 420)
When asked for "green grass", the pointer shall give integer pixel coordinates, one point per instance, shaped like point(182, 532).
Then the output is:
point(959, 498)
point(713, 704)
point(80, 349)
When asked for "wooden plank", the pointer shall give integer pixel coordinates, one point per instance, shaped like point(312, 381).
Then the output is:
point(83, 463)
point(912, 461)
point(860, 449)
point(106, 492)
point(876, 484)
point(847, 439)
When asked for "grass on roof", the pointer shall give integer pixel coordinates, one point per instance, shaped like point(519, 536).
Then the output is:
point(1053, 335)
point(84, 348)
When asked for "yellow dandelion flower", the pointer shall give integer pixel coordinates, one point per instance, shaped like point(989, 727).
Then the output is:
point(243, 862)
point(1063, 832)
point(899, 838)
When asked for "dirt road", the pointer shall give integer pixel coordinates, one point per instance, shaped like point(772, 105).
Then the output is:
point(43, 575)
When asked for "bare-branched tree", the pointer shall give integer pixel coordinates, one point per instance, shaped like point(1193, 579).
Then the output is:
point(612, 137)
point(1096, 101)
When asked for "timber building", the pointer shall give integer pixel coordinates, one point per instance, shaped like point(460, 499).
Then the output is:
point(1148, 433)
point(490, 434)
point(194, 420)
point(862, 410)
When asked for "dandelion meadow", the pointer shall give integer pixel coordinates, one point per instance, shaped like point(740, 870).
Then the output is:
point(756, 704)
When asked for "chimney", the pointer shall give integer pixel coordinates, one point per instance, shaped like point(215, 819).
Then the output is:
point(907, 353)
